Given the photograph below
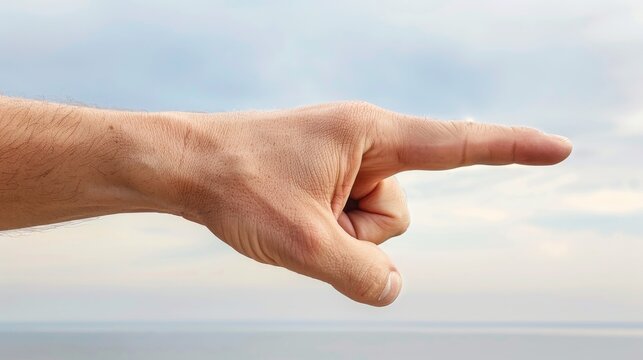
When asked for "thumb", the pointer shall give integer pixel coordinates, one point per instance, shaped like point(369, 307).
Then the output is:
point(367, 274)
point(358, 269)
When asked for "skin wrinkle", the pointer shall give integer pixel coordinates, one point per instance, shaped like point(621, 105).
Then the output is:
point(186, 138)
point(324, 174)
point(513, 146)
point(45, 173)
point(375, 189)
point(341, 196)
point(464, 160)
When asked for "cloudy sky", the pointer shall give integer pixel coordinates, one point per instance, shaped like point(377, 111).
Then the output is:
point(563, 243)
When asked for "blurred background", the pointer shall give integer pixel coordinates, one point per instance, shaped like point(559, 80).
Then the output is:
point(559, 244)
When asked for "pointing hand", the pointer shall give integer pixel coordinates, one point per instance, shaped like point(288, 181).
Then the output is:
point(312, 189)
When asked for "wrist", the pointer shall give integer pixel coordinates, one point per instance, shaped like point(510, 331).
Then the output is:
point(145, 159)
point(160, 152)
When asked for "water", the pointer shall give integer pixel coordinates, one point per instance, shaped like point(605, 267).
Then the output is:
point(318, 341)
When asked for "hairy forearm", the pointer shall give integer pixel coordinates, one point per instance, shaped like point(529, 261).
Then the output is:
point(61, 162)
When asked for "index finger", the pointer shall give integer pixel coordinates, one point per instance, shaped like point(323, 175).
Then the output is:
point(415, 143)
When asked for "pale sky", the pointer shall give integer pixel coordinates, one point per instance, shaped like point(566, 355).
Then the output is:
point(561, 243)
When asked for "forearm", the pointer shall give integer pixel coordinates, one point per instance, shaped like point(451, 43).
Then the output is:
point(62, 162)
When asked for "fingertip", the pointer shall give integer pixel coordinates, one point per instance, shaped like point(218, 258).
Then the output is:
point(538, 148)
point(391, 290)
point(564, 148)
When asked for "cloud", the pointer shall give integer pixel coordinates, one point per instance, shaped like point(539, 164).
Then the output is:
point(607, 201)
point(630, 125)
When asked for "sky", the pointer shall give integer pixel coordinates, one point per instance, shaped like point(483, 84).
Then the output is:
point(562, 243)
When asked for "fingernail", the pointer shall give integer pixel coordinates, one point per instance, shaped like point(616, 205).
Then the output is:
point(562, 138)
point(392, 288)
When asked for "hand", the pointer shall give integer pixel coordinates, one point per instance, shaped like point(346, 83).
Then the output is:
point(312, 189)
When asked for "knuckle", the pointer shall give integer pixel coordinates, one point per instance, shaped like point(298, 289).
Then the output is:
point(524, 129)
point(355, 111)
point(401, 217)
point(357, 107)
point(462, 127)
point(350, 121)
point(397, 225)
point(403, 223)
